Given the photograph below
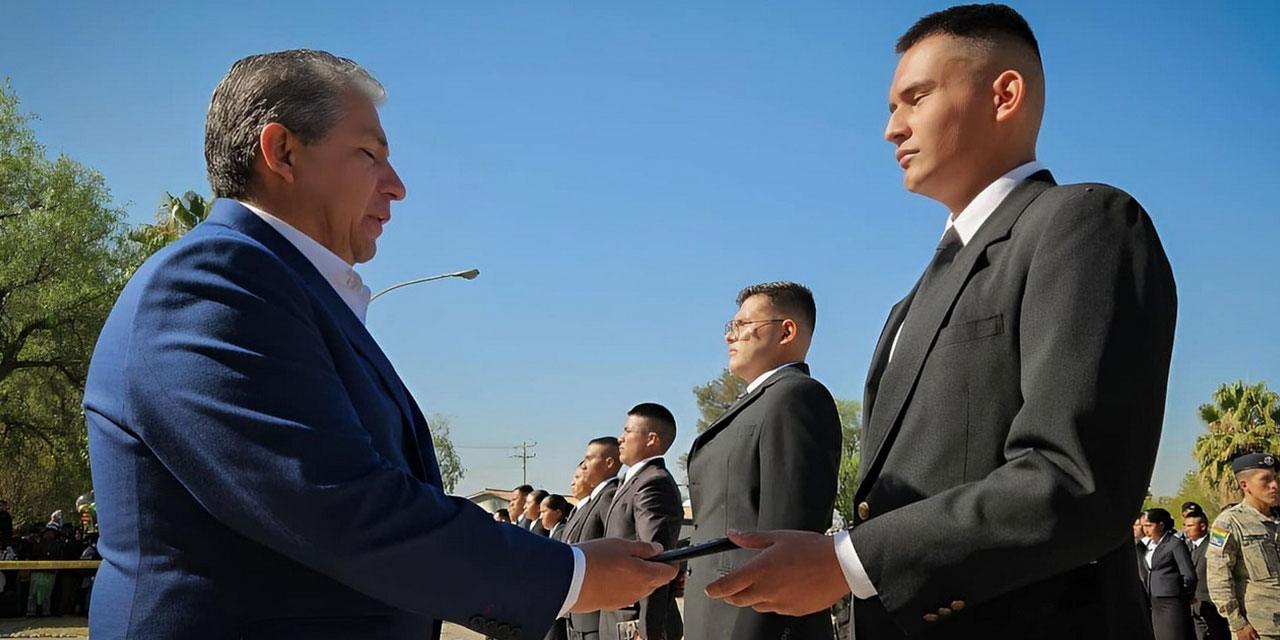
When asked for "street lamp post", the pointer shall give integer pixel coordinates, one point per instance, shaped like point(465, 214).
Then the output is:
point(466, 275)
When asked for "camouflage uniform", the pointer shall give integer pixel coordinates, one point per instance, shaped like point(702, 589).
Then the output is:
point(1243, 568)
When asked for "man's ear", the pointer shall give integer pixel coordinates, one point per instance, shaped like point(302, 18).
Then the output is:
point(277, 145)
point(789, 332)
point(1009, 92)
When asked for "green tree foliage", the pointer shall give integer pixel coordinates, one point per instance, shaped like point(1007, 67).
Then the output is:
point(174, 217)
point(850, 450)
point(64, 256)
point(451, 469)
point(1193, 489)
point(714, 398)
point(1241, 419)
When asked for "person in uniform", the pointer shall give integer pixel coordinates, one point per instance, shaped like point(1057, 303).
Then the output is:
point(1243, 560)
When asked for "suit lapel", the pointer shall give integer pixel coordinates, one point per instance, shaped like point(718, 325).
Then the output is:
point(723, 421)
point(927, 314)
point(230, 213)
point(880, 357)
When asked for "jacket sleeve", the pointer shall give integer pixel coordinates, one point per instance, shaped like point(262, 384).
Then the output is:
point(1220, 561)
point(1095, 333)
point(231, 385)
point(1186, 568)
point(658, 514)
point(799, 456)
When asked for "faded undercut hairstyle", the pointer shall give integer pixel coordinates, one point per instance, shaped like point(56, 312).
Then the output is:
point(788, 298)
point(302, 89)
point(982, 23)
point(661, 421)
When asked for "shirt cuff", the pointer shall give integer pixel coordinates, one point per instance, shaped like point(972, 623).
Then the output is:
point(859, 584)
point(575, 584)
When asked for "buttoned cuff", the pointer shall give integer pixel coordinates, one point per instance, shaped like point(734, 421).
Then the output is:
point(575, 584)
point(859, 584)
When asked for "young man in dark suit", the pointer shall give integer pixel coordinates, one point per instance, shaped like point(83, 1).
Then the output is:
point(770, 462)
point(598, 478)
point(1210, 625)
point(1015, 398)
point(646, 507)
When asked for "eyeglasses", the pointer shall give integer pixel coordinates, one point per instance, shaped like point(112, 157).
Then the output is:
point(733, 327)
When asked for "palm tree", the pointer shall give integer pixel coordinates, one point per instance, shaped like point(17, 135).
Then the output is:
point(1242, 419)
point(174, 217)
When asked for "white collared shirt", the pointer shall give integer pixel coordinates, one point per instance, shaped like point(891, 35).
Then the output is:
point(634, 469)
point(1195, 544)
point(760, 379)
point(596, 491)
point(344, 279)
point(967, 224)
point(1151, 547)
point(968, 221)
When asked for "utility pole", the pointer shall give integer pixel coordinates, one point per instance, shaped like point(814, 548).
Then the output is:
point(524, 456)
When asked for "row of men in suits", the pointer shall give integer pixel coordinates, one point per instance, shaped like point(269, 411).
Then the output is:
point(1018, 388)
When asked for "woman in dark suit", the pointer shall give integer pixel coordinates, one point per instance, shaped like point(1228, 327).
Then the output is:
point(1172, 580)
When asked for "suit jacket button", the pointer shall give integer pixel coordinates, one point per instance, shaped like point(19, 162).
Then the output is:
point(864, 511)
point(476, 623)
point(957, 605)
point(930, 617)
point(944, 612)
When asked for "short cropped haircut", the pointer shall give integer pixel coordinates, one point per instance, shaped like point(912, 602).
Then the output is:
point(524, 489)
point(1199, 515)
point(302, 89)
point(661, 421)
point(787, 298)
point(538, 495)
point(607, 441)
point(988, 23)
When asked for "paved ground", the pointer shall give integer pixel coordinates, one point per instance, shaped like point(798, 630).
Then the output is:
point(77, 627)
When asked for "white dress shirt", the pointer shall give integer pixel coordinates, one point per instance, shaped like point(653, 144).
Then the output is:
point(754, 384)
point(635, 468)
point(351, 288)
point(967, 223)
point(1195, 544)
point(1151, 548)
point(344, 279)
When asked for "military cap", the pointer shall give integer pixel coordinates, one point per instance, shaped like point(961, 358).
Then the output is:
point(1253, 461)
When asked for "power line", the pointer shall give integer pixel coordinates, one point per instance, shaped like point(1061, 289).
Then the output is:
point(524, 456)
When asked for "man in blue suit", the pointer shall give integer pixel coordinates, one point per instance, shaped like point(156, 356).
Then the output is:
point(261, 470)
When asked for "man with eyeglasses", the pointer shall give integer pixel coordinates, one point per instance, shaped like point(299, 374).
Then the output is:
point(770, 462)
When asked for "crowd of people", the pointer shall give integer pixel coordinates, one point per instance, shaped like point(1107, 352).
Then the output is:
point(1219, 581)
point(45, 593)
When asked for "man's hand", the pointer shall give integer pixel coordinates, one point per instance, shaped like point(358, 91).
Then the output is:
point(617, 574)
point(1247, 633)
point(796, 574)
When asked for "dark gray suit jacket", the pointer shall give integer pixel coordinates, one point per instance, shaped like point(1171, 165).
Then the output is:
point(1173, 572)
point(587, 523)
point(1010, 440)
point(647, 508)
point(770, 462)
point(1197, 559)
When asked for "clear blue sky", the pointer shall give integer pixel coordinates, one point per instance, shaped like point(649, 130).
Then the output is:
point(619, 170)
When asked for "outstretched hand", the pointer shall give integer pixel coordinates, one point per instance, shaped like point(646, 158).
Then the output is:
point(795, 574)
point(618, 574)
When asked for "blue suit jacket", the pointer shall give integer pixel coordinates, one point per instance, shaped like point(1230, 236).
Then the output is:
point(260, 469)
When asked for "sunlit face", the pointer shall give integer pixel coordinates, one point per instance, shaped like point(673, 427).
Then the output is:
point(348, 178)
point(753, 338)
point(598, 465)
point(635, 439)
point(1153, 530)
point(515, 506)
point(939, 119)
point(532, 509)
point(548, 515)
point(1194, 527)
point(1263, 486)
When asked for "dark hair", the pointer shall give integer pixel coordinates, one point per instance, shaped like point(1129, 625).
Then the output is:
point(786, 297)
point(608, 441)
point(503, 515)
point(1190, 506)
point(557, 502)
point(661, 420)
point(538, 495)
point(1196, 513)
point(1159, 516)
point(524, 488)
point(981, 22)
point(302, 89)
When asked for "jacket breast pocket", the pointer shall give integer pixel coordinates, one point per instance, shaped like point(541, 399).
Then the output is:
point(971, 330)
